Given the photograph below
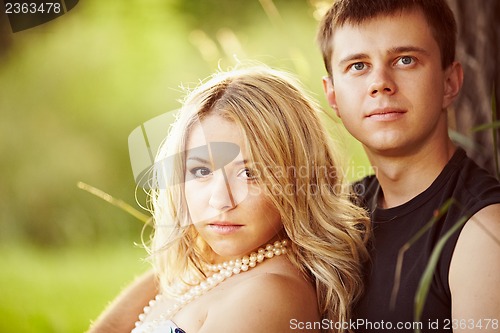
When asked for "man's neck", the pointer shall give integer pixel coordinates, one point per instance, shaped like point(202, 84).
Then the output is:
point(403, 178)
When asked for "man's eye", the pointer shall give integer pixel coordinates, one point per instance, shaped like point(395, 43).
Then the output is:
point(406, 60)
point(359, 66)
point(200, 172)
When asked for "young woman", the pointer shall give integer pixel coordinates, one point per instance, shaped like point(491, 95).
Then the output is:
point(254, 227)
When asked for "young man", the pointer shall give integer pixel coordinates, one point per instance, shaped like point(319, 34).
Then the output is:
point(391, 76)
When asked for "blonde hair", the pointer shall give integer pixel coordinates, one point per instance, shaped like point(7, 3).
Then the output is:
point(293, 156)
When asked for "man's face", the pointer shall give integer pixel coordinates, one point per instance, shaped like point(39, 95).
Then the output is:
point(388, 86)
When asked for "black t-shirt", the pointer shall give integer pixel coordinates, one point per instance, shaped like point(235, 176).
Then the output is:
point(472, 189)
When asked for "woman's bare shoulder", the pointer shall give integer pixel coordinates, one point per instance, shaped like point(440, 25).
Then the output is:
point(268, 301)
point(282, 286)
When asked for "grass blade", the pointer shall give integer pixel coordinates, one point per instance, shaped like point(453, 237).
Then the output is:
point(399, 264)
point(462, 140)
point(425, 281)
point(493, 125)
point(115, 202)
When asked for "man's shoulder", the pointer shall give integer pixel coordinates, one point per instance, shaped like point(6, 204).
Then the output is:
point(474, 187)
point(474, 271)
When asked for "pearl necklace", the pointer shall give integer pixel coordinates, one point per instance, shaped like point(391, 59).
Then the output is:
point(221, 272)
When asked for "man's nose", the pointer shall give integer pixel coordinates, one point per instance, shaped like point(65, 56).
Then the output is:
point(382, 82)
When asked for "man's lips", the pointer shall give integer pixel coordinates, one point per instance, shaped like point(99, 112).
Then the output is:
point(386, 114)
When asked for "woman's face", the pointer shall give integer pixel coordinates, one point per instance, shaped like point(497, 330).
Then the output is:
point(227, 207)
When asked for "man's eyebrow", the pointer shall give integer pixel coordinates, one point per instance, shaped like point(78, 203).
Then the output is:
point(394, 50)
point(407, 49)
point(351, 57)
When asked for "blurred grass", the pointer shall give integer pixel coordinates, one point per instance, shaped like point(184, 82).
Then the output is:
point(61, 290)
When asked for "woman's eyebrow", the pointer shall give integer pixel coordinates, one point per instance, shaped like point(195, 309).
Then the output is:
point(205, 161)
point(198, 159)
point(241, 162)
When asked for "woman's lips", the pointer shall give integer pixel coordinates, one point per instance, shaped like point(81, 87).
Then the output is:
point(224, 228)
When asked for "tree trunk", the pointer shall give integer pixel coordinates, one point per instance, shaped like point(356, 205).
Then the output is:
point(478, 49)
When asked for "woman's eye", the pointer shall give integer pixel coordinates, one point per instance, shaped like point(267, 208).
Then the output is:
point(247, 174)
point(200, 172)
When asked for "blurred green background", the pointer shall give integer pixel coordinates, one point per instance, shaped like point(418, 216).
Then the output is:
point(71, 91)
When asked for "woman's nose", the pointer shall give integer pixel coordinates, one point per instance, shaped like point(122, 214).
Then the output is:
point(221, 197)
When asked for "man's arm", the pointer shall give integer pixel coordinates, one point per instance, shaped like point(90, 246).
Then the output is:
point(475, 274)
point(123, 312)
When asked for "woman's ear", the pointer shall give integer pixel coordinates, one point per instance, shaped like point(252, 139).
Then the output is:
point(453, 80)
point(330, 93)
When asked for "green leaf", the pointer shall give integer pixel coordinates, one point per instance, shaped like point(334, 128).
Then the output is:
point(462, 140)
point(399, 264)
point(483, 127)
point(425, 281)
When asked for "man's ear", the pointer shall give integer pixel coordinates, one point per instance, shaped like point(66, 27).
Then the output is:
point(330, 94)
point(453, 80)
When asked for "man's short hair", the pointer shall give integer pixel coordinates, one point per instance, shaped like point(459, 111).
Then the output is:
point(437, 13)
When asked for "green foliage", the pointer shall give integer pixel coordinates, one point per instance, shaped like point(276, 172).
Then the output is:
point(62, 290)
point(73, 89)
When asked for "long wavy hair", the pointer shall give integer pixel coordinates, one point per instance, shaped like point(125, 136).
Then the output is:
point(294, 158)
